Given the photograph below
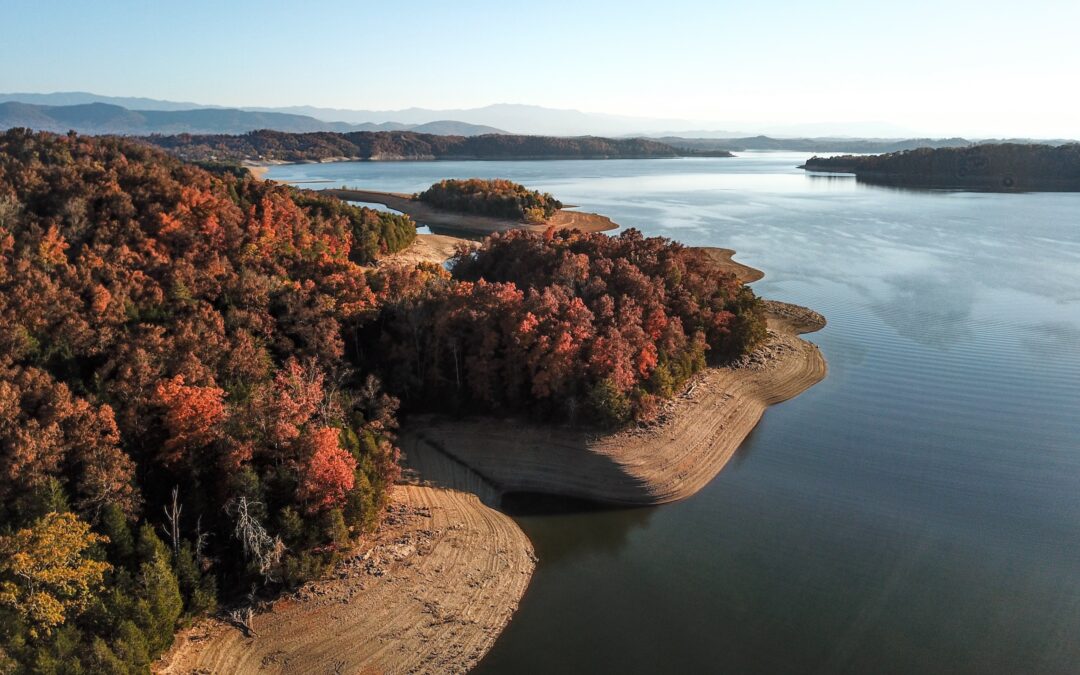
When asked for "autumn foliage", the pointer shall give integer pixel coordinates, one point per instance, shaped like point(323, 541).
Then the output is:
point(498, 198)
point(583, 327)
point(162, 327)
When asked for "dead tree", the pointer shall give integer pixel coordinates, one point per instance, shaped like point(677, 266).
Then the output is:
point(172, 514)
point(258, 546)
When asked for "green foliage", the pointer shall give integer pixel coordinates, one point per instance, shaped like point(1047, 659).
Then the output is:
point(163, 603)
point(609, 406)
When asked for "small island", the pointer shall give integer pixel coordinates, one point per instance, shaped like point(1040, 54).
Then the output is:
point(996, 167)
point(480, 207)
point(496, 198)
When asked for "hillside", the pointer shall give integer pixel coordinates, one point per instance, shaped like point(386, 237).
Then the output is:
point(999, 167)
point(105, 118)
point(269, 146)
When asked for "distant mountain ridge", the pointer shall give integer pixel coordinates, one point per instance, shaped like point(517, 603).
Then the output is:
point(511, 117)
point(276, 146)
point(106, 118)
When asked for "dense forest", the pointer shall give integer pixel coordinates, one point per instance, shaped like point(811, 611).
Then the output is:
point(191, 369)
point(498, 198)
point(996, 167)
point(563, 325)
point(180, 422)
point(397, 145)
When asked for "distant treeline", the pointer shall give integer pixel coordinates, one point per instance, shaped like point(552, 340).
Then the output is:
point(998, 167)
point(400, 145)
point(499, 198)
point(698, 146)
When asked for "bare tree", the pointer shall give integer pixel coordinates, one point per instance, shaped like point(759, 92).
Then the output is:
point(201, 539)
point(172, 514)
point(265, 551)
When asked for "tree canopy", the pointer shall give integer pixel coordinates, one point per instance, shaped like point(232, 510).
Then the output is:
point(499, 198)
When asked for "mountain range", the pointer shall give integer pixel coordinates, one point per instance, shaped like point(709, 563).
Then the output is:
point(509, 117)
point(96, 114)
point(107, 118)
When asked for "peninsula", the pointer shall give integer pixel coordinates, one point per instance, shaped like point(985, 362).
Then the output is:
point(209, 380)
point(1000, 167)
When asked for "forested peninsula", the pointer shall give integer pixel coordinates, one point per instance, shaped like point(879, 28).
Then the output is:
point(277, 146)
point(204, 377)
point(1004, 167)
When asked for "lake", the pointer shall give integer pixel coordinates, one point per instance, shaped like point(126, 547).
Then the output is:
point(916, 512)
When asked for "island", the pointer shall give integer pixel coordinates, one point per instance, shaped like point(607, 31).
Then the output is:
point(992, 167)
point(481, 207)
point(209, 381)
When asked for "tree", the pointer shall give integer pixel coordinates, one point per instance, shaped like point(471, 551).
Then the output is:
point(192, 417)
point(45, 572)
point(329, 472)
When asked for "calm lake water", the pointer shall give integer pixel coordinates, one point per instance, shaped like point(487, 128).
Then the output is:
point(916, 512)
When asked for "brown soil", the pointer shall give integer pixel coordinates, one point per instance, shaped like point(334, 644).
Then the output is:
point(722, 258)
point(468, 223)
point(428, 594)
point(697, 433)
point(432, 248)
point(257, 170)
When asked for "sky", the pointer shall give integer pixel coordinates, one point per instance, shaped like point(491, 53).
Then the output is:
point(949, 67)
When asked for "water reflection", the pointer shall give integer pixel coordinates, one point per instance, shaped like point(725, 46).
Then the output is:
point(918, 511)
point(932, 310)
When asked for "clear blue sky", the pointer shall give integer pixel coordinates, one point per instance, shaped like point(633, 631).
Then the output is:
point(992, 68)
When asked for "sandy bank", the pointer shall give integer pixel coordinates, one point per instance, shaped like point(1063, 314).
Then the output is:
point(431, 248)
point(473, 224)
point(257, 170)
point(698, 432)
point(722, 258)
point(428, 594)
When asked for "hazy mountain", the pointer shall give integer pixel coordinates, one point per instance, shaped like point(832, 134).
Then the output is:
point(514, 118)
point(66, 98)
point(105, 118)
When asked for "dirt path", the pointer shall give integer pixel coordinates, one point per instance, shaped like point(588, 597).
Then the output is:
point(429, 594)
point(698, 433)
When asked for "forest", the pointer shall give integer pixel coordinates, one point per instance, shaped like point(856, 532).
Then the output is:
point(991, 166)
point(564, 326)
point(498, 198)
point(268, 145)
point(201, 378)
point(180, 422)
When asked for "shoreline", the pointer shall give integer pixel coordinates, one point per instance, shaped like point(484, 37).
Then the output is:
point(470, 223)
point(431, 591)
point(438, 582)
point(699, 432)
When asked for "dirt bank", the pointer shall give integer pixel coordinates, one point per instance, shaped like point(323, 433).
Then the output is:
point(472, 224)
point(428, 594)
point(722, 258)
point(698, 433)
point(432, 248)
